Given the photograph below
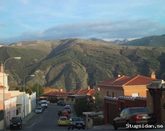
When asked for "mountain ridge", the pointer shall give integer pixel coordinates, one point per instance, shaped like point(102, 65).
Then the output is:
point(77, 63)
point(158, 40)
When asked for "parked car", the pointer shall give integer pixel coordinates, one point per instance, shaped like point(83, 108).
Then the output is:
point(63, 121)
point(44, 101)
point(43, 104)
point(133, 115)
point(16, 122)
point(39, 110)
point(64, 113)
point(76, 122)
point(61, 103)
point(68, 108)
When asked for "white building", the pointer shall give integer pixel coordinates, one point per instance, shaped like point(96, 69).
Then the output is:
point(15, 103)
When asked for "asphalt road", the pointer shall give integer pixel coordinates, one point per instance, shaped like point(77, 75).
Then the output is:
point(47, 121)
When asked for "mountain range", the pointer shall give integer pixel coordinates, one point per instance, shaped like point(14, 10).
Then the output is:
point(148, 41)
point(77, 63)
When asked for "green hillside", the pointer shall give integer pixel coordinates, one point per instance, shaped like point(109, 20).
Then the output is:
point(76, 63)
point(149, 41)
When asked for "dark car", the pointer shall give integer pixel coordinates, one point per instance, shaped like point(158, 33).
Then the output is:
point(16, 122)
point(133, 115)
point(76, 122)
point(61, 103)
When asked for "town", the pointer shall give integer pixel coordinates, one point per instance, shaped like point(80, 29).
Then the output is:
point(89, 65)
point(103, 104)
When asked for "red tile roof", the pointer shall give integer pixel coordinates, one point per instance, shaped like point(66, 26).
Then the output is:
point(73, 92)
point(91, 92)
point(126, 80)
point(55, 93)
point(120, 81)
point(139, 80)
point(86, 92)
point(116, 81)
point(107, 82)
point(82, 91)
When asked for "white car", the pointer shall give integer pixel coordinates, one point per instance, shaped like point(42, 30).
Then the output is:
point(43, 103)
point(68, 108)
point(38, 110)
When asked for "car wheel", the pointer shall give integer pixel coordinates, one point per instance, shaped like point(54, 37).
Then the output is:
point(115, 126)
point(128, 123)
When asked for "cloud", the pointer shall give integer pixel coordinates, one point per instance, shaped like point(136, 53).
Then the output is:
point(119, 29)
point(102, 30)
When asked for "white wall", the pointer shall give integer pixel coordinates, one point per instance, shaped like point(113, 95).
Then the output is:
point(27, 102)
point(30, 103)
point(14, 98)
point(33, 100)
point(10, 109)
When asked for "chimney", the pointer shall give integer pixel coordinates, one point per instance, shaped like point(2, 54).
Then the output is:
point(1, 68)
point(153, 76)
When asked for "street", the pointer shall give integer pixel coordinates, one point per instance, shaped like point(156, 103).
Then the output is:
point(47, 121)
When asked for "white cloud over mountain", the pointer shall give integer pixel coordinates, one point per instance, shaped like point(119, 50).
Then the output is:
point(102, 30)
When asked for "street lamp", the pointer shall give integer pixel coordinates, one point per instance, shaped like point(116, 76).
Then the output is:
point(24, 86)
point(4, 65)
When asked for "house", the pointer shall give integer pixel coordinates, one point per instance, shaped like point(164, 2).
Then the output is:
point(125, 86)
point(156, 100)
point(55, 95)
point(13, 103)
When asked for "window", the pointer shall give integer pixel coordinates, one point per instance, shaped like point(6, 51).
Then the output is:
point(124, 113)
point(18, 109)
point(107, 93)
point(135, 94)
point(113, 94)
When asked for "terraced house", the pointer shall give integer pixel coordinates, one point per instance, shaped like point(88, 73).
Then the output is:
point(13, 103)
point(126, 86)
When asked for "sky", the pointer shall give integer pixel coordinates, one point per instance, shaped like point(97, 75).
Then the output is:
point(61, 19)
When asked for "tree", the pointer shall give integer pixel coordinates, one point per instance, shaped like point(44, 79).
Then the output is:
point(82, 105)
point(38, 89)
point(98, 102)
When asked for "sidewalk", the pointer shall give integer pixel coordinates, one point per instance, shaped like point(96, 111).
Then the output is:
point(28, 117)
point(25, 120)
point(103, 127)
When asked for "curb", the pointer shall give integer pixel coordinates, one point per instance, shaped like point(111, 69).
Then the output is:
point(103, 127)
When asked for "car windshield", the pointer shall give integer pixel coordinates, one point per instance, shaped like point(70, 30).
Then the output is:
point(16, 119)
point(43, 102)
point(76, 119)
point(138, 110)
point(63, 118)
point(39, 108)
